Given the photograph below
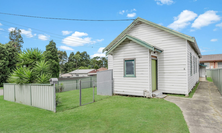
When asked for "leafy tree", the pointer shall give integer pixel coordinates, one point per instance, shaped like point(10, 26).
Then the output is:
point(82, 67)
point(32, 68)
point(77, 57)
point(71, 62)
point(62, 60)
point(104, 61)
point(16, 39)
point(29, 57)
point(4, 61)
point(12, 55)
point(85, 59)
point(51, 56)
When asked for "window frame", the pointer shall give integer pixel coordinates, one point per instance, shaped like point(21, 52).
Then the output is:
point(124, 68)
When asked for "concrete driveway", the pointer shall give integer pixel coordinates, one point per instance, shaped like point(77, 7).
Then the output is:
point(203, 112)
point(1, 92)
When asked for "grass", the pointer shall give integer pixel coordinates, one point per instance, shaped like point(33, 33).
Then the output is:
point(112, 114)
point(190, 94)
point(209, 79)
point(1, 88)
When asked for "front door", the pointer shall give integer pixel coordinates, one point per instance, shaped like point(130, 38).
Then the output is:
point(154, 75)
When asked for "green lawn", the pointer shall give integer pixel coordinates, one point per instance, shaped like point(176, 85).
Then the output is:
point(209, 79)
point(1, 87)
point(112, 114)
point(190, 94)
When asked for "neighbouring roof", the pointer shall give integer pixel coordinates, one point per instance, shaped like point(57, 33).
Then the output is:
point(102, 69)
point(186, 37)
point(213, 57)
point(81, 71)
point(66, 75)
point(136, 40)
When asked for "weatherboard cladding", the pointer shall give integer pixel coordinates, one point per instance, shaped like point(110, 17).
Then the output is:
point(130, 85)
point(192, 79)
point(171, 62)
point(139, 20)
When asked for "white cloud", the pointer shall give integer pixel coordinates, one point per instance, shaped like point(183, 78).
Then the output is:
point(77, 39)
point(203, 50)
point(183, 20)
point(131, 15)
point(206, 19)
point(0, 24)
point(122, 12)
point(219, 25)
point(213, 40)
point(99, 53)
point(215, 29)
point(27, 33)
point(66, 32)
point(162, 2)
point(43, 37)
point(66, 48)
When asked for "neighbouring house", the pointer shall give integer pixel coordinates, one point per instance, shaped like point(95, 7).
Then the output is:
point(94, 72)
point(66, 75)
point(81, 72)
point(212, 61)
point(202, 70)
point(148, 57)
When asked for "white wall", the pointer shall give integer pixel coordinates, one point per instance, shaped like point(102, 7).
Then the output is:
point(192, 79)
point(110, 62)
point(131, 85)
point(172, 64)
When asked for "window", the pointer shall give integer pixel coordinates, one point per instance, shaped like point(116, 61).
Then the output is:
point(219, 64)
point(197, 65)
point(190, 64)
point(129, 68)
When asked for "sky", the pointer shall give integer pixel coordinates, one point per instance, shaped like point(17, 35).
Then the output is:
point(198, 18)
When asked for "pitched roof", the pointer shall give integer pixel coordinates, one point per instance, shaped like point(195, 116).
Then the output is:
point(102, 69)
point(136, 40)
point(184, 36)
point(82, 71)
point(213, 57)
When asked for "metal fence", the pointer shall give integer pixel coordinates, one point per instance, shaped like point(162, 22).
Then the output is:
point(73, 84)
point(37, 95)
point(105, 82)
point(77, 93)
point(216, 75)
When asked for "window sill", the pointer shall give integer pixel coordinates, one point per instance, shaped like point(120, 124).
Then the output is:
point(129, 76)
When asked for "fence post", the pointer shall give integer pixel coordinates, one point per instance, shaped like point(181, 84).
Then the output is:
point(93, 91)
point(54, 89)
point(14, 94)
point(80, 91)
point(30, 95)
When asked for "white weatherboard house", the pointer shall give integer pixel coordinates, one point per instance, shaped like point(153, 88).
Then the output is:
point(147, 57)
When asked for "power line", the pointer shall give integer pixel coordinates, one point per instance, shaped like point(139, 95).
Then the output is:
point(70, 19)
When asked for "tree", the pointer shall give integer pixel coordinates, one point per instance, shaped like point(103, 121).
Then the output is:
point(4, 61)
point(31, 68)
point(71, 62)
point(85, 59)
point(51, 56)
point(77, 59)
point(105, 61)
point(16, 39)
point(62, 60)
point(12, 55)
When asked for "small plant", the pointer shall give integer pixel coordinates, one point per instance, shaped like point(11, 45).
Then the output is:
point(58, 100)
point(61, 87)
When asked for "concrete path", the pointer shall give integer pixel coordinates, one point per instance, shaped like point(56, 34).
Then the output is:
point(1, 92)
point(203, 112)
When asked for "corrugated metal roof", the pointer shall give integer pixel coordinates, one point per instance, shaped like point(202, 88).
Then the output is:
point(82, 71)
point(213, 57)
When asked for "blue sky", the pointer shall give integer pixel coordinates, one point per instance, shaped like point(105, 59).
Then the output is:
point(198, 18)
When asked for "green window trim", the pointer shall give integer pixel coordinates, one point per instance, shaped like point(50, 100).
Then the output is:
point(134, 66)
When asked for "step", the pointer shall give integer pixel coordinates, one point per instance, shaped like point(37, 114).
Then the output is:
point(157, 93)
point(161, 97)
